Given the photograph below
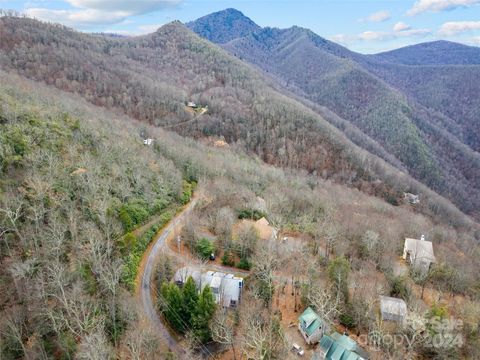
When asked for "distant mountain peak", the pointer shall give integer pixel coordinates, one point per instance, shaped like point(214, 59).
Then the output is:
point(440, 52)
point(222, 26)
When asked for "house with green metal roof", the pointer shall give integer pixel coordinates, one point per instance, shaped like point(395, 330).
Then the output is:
point(339, 347)
point(311, 326)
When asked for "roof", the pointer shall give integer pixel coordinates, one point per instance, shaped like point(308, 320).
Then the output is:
point(265, 231)
point(228, 285)
point(393, 306)
point(216, 282)
point(340, 347)
point(182, 274)
point(420, 249)
point(310, 321)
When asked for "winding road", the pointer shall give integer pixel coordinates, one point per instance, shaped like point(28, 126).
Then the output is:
point(144, 285)
point(145, 290)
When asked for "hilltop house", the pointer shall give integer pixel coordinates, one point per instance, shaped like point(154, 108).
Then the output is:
point(226, 288)
point(419, 253)
point(393, 309)
point(311, 326)
point(339, 347)
point(411, 198)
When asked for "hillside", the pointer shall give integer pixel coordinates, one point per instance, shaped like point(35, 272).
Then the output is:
point(423, 123)
point(71, 172)
point(143, 77)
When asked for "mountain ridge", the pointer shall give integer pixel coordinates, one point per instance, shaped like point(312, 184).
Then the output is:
point(390, 109)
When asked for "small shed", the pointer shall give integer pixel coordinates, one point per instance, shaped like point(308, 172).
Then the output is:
point(148, 142)
point(191, 104)
point(311, 326)
point(393, 309)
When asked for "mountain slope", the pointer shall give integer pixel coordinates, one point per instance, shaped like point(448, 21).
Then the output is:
point(144, 77)
point(223, 26)
point(151, 77)
point(432, 53)
point(369, 94)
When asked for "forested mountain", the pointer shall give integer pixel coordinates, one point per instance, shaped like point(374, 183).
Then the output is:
point(439, 52)
point(425, 115)
point(82, 197)
point(223, 26)
point(151, 78)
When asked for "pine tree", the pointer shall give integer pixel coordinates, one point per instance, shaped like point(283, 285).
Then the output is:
point(190, 300)
point(203, 315)
point(171, 303)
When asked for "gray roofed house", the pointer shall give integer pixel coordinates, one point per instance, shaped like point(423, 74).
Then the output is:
point(226, 288)
point(393, 309)
point(419, 253)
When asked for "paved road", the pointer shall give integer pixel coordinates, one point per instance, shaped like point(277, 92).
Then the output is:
point(145, 292)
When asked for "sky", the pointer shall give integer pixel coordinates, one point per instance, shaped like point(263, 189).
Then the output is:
point(366, 26)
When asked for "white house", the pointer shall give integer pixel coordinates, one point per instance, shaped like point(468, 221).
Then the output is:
point(148, 142)
point(226, 288)
point(419, 253)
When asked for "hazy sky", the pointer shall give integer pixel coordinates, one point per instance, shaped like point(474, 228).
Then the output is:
point(362, 25)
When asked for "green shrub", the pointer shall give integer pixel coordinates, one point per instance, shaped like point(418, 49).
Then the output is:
point(87, 275)
point(399, 288)
point(127, 243)
point(133, 258)
point(347, 320)
point(250, 214)
point(244, 264)
point(204, 248)
point(187, 191)
point(133, 213)
point(228, 259)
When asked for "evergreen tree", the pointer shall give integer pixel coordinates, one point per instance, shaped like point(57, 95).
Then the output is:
point(203, 315)
point(171, 302)
point(190, 300)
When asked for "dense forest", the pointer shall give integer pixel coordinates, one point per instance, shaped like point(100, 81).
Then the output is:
point(143, 77)
point(425, 116)
point(75, 177)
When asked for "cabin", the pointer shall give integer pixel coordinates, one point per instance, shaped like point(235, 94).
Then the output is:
point(339, 347)
point(311, 326)
point(412, 198)
point(419, 254)
point(191, 104)
point(393, 309)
